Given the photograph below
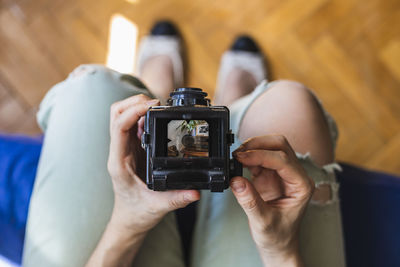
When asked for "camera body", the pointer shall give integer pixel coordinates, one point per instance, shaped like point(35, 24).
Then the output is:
point(187, 144)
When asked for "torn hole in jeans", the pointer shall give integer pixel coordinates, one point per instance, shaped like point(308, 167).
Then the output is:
point(326, 187)
point(325, 193)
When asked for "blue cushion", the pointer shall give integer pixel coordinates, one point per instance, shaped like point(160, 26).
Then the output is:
point(370, 204)
point(19, 158)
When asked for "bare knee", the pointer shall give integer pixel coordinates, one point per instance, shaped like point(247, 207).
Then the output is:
point(295, 92)
point(290, 109)
point(290, 85)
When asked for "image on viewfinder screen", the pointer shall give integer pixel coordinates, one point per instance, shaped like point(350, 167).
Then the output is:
point(188, 138)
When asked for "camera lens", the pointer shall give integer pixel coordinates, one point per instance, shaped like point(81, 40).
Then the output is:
point(188, 96)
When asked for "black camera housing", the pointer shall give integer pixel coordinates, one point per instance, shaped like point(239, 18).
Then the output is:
point(213, 172)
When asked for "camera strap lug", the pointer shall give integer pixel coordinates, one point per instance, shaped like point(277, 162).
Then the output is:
point(145, 140)
point(230, 138)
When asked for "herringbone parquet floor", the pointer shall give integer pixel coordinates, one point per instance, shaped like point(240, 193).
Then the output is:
point(348, 51)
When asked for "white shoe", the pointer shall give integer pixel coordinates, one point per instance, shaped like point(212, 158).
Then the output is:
point(245, 55)
point(164, 40)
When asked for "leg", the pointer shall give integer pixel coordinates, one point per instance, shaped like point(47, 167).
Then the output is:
point(73, 196)
point(289, 108)
point(238, 83)
point(158, 75)
point(160, 61)
point(286, 108)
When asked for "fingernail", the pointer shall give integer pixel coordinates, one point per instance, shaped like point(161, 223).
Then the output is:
point(238, 186)
point(152, 102)
point(241, 154)
point(239, 149)
point(187, 197)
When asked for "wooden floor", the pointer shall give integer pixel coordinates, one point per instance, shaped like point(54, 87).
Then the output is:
point(348, 51)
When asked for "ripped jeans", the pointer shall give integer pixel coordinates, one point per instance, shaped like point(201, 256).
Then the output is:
point(222, 236)
point(73, 197)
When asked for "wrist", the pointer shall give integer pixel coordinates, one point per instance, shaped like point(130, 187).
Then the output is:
point(283, 257)
point(117, 246)
point(122, 227)
point(134, 218)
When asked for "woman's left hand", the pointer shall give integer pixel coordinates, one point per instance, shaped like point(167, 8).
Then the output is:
point(275, 200)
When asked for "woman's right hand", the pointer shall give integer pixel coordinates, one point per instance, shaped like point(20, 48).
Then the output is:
point(136, 207)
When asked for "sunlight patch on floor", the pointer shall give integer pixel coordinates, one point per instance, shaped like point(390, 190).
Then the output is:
point(122, 44)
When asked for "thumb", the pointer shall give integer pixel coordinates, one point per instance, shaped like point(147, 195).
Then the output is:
point(177, 199)
point(248, 198)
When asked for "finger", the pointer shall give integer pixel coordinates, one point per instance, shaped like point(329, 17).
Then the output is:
point(140, 127)
point(120, 106)
point(170, 200)
point(255, 170)
point(131, 116)
point(269, 185)
point(177, 199)
point(120, 127)
point(288, 169)
point(268, 142)
point(248, 198)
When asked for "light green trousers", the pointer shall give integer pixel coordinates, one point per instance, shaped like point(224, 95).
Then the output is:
point(73, 198)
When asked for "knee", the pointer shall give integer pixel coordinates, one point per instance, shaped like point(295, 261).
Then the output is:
point(292, 90)
point(291, 109)
point(86, 69)
point(91, 77)
point(295, 94)
point(287, 102)
point(88, 87)
point(290, 84)
point(94, 84)
point(99, 76)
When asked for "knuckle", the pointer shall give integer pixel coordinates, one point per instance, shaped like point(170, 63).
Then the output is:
point(283, 156)
point(308, 187)
point(142, 97)
point(249, 141)
point(174, 204)
point(114, 108)
point(282, 141)
point(249, 204)
point(113, 170)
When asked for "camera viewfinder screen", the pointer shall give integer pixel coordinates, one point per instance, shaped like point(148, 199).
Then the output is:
point(188, 138)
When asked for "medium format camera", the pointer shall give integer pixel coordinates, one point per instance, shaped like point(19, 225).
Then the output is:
point(187, 144)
